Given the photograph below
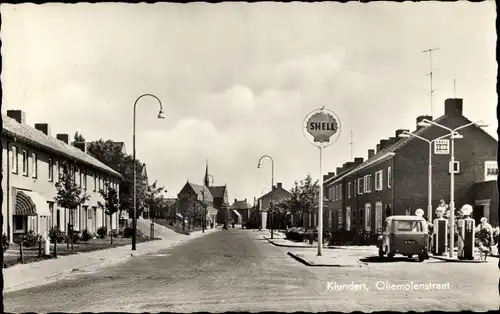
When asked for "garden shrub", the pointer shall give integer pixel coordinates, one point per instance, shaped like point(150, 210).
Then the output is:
point(55, 234)
point(102, 232)
point(127, 232)
point(5, 242)
point(86, 235)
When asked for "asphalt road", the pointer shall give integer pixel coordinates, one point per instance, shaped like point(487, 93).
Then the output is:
point(237, 270)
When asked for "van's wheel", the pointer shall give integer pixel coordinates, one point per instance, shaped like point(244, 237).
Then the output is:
point(421, 257)
point(409, 255)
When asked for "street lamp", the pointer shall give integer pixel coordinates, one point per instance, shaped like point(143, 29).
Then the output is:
point(454, 135)
point(161, 115)
point(406, 134)
point(272, 185)
point(204, 213)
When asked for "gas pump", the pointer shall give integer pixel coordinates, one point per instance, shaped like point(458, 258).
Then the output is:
point(467, 233)
point(440, 232)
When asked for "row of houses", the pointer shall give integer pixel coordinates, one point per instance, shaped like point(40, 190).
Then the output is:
point(32, 161)
point(393, 180)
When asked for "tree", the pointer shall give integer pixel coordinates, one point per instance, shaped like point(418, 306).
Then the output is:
point(78, 138)
point(69, 194)
point(111, 203)
point(110, 154)
point(281, 211)
point(305, 197)
point(153, 199)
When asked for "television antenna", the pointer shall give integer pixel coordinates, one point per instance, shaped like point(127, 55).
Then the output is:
point(431, 71)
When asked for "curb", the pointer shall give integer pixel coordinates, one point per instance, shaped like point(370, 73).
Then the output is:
point(303, 261)
point(447, 259)
point(315, 246)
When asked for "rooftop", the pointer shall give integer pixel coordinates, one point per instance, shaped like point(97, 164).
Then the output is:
point(38, 139)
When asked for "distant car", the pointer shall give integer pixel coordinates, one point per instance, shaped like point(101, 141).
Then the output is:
point(405, 235)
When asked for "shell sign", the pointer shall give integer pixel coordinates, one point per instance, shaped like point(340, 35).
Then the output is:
point(322, 126)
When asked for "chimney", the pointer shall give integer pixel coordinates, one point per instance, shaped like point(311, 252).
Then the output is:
point(401, 131)
point(358, 161)
point(453, 106)
point(63, 137)
point(325, 177)
point(391, 141)
point(421, 118)
point(43, 127)
point(378, 148)
point(348, 165)
point(383, 144)
point(279, 185)
point(81, 146)
point(371, 153)
point(245, 200)
point(331, 174)
point(339, 169)
point(18, 115)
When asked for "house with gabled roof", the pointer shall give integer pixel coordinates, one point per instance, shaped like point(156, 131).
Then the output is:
point(394, 178)
point(240, 211)
point(196, 203)
point(31, 166)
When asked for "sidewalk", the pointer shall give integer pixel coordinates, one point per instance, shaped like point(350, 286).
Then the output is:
point(328, 258)
point(283, 242)
point(25, 276)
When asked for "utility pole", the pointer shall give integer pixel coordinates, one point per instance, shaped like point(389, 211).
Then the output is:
point(431, 71)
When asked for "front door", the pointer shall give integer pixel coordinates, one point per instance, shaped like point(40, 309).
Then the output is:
point(478, 213)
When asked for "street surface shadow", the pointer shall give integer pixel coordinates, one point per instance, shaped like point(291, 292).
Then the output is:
point(396, 259)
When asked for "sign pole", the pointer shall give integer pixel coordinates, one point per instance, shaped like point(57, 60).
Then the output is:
point(320, 212)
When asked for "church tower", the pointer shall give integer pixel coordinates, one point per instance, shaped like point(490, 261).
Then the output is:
point(207, 181)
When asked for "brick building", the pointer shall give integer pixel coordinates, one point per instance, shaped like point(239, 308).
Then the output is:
point(221, 200)
point(240, 211)
point(31, 165)
point(394, 178)
point(191, 201)
point(278, 194)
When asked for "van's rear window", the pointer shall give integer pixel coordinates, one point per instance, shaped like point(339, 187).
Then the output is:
point(409, 226)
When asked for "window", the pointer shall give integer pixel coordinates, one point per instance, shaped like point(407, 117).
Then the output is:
point(85, 179)
point(490, 170)
point(368, 183)
point(340, 191)
point(378, 216)
point(77, 175)
point(339, 219)
point(51, 170)
point(51, 210)
point(368, 212)
point(34, 160)
point(389, 177)
point(378, 180)
point(59, 172)
point(360, 186)
point(360, 217)
point(456, 167)
point(15, 160)
point(99, 182)
point(349, 188)
point(95, 182)
point(25, 162)
point(336, 192)
point(348, 218)
point(409, 226)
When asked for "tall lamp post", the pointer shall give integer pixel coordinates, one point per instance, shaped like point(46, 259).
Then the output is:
point(272, 185)
point(454, 135)
point(161, 115)
point(406, 134)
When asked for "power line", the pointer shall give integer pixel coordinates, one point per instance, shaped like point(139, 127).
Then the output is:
point(430, 74)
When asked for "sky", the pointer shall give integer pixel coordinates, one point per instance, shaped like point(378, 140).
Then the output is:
point(236, 80)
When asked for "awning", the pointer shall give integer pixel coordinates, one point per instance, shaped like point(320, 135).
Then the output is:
point(31, 204)
point(236, 212)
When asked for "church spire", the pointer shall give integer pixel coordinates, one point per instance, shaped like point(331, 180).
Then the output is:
point(207, 182)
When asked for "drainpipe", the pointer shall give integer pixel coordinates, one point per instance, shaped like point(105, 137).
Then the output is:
point(392, 185)
point(7, 193)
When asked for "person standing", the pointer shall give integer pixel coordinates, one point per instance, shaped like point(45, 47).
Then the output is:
point(484, 238)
